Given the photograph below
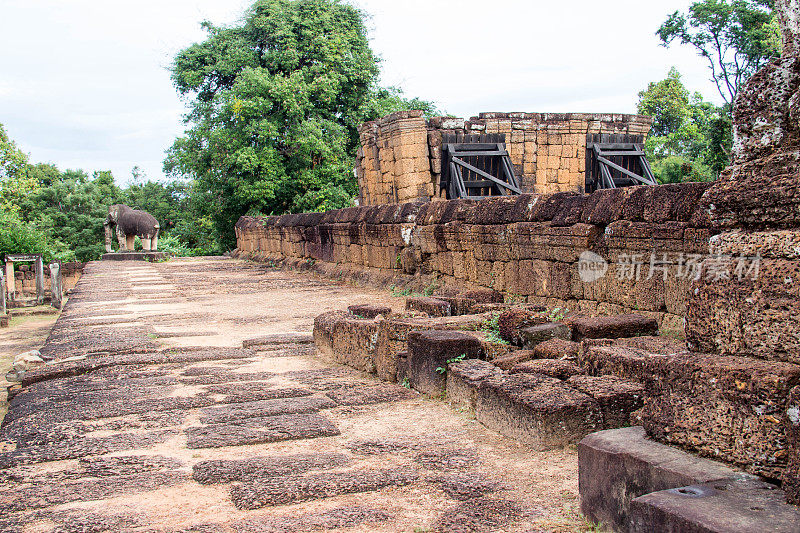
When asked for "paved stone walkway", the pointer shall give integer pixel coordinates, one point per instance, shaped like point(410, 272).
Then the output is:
point(169, 424)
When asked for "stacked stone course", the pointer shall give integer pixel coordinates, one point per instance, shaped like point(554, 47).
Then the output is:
point(399, 159)
point(527, 245)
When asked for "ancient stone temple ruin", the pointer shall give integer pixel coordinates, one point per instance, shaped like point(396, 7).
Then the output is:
point(541, 311)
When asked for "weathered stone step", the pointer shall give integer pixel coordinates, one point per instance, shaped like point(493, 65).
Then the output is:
point(261, 430)
point(229, 470)
point(612, 327)
point(540, 411)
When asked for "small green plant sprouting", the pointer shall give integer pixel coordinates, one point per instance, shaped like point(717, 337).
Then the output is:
point(406, 383)
point(557, 313)
point(457, 359)
point(491, 328)
point(397, 293)
point(398, 261)
point(432, 286)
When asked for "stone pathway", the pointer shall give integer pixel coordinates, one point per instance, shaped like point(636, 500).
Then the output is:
point(170, 424)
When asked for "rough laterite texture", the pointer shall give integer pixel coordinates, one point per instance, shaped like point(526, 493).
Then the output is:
point(168, 424)
point(526, 246)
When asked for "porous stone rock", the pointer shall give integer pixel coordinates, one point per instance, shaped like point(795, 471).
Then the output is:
point(510, 323)
point(484, 296)
point(458, 304)
point(432, 306)
point(540, 411)
point(428, 353)
point(369, 310)
point(618, 398)
point(612, 327)
point(721, 406)
point(464, 378)
point(534, 335)
point(556, 368)
point(507, 362)
point(557, 348)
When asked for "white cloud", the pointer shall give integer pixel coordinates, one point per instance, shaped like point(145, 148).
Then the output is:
point(86, 82)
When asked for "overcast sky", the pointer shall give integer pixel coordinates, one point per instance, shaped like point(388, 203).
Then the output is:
point(84, 83)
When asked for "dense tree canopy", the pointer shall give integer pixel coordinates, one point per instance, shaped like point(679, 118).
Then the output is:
point(735, 37)
point(691, 138)
point(275, 103)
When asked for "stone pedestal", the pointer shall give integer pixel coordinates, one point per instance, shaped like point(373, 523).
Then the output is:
point(135, 256)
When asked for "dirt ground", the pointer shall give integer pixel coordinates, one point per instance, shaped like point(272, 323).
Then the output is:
point(25, 332)
point(164, 422)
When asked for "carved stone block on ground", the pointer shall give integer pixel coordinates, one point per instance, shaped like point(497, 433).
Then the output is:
point(507, 362)
point(540, 411)
point(618, 465)
point(432, 306)
point(464, 378)
point(369, 310)
point(557, 348)
point(428, 353)
point(534, 335)
point(726, 506)
point(612, 327)
point(791, 476)
point(617, 397)
point(557, 368)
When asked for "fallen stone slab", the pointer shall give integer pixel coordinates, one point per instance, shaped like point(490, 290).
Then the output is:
point(540, 411)
point(347, 517)
point(261, 408)
point(557, 368)
point(434, 307)
point(261, 430)
point(621, 361)
point(507, 362)
point(294, 489)
point(429, 353)
point(323, 331)
point(726, 506)
point(278, 338)
point(511, 322)
point(484, 296)
point(478, 515)
point(369, 310)
point(229, 470)
point(612, 327)
point(365, 395)
point(458, 304)
point(617, 465)
point(464, 378)
point(534, 335)
point(618, 397)
point(355, 343)
point(557, 348)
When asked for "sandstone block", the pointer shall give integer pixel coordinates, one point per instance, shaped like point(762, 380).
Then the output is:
point(464, 378)
point(534, 335)
point(612, 327)
point(557, 348)
point(557, 368)
point(539, 411)
point(458, 305)
point(511, 323)
point(617, 397)
point(323, 330)
point(791, 476)
point(725, 506)
point(428, 353)
point(618, 465)
point(432, 306)
point(369, 310)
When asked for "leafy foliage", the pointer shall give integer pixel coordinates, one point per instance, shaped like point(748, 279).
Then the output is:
point(691, 139)
point(735, 37)
point(274, 106)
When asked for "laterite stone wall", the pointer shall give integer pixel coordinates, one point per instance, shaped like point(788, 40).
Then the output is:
point(527, 246)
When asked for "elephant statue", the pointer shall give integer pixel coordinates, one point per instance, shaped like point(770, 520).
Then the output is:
point(128, 224)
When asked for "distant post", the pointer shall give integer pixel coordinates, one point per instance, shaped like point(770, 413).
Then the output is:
point(39, 280)
point(10, 278)
point(3, 306)
point(55, 285)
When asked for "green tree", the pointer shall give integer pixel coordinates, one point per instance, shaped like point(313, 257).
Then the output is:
point(274, 106)
point(735, 37)
point(15, 180)
point(691, 138)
